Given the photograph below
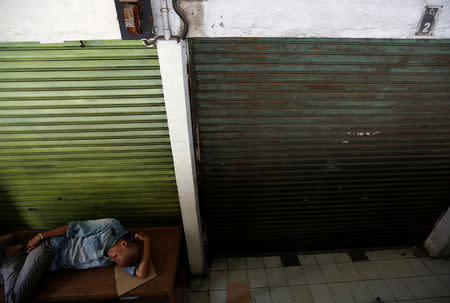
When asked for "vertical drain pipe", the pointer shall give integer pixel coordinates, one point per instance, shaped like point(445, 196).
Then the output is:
point(165, 18)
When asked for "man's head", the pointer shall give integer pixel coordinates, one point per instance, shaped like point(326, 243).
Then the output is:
point(125, 253)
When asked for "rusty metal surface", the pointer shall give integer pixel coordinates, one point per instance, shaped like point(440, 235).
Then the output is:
point(321, 143)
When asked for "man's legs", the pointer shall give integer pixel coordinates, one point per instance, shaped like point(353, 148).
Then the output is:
point(5, 242)
point(22, 282)
point(9, 270)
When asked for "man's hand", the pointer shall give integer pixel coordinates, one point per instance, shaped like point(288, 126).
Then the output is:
point(33, 243)
point(37, 239)
point(141, 236)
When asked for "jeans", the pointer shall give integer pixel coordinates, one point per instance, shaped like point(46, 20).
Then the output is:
point(21, 273)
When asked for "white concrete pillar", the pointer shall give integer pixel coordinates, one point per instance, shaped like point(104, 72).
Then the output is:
point(173, 65)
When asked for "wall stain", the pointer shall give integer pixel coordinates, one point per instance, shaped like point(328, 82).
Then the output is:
point(195, 13)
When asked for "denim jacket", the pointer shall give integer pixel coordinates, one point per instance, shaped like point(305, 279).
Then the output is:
point(86, 244)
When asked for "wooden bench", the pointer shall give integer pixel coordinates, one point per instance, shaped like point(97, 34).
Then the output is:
point(99, 283)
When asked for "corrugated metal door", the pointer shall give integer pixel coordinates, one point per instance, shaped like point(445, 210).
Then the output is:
point(83, 134)
point(321, 143)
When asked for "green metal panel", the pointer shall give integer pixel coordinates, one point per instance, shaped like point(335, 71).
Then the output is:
point(321, 143)
point(83, 134)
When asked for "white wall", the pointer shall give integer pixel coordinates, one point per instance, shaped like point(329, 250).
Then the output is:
point(65, 20)
point(313, 18)
point(58, 20)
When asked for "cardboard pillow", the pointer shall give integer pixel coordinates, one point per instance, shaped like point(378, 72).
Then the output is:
point(125, 282)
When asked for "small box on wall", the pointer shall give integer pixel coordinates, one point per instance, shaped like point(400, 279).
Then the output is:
point(135, 19)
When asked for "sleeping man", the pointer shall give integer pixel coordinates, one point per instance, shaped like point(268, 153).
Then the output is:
point(79, 245)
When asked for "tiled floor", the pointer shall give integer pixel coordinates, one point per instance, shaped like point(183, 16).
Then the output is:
point(392, 275)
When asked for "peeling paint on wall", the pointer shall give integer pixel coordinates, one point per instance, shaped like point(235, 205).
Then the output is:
point(364, 133)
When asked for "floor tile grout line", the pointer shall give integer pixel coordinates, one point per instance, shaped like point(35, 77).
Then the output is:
point(290, 293)
point(270, 292)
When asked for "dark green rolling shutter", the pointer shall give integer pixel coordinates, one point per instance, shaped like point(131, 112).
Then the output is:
point(83, 134)
point(321, 143)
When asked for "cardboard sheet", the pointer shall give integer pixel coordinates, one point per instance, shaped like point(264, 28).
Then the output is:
point(125, 282)
point(238, 292)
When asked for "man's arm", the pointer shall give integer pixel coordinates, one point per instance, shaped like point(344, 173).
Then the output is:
point(144, 265)
point(36, 240)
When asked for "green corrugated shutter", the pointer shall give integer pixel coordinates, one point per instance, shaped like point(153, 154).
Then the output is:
point(321, 143)
point(83, 134)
